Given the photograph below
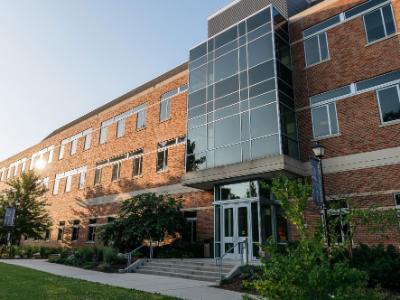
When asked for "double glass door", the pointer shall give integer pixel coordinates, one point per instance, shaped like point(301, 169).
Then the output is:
point(236, 227)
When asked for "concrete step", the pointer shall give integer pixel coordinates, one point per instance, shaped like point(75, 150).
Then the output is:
point(179, 275)
point(228, 263)
point(181, 270)
point(211, 268)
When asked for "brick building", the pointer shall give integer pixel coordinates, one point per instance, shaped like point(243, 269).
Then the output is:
point(273, 77)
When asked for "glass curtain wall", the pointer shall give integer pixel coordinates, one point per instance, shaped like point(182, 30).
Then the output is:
point(233, 105)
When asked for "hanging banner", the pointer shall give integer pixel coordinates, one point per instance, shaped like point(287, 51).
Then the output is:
point(9, 216)
point(316, 179)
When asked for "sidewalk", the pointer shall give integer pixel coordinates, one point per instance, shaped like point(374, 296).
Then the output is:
point(182, 288)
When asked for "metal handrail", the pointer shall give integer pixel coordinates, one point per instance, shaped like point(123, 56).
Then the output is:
point(241, 251)
point(129, 254)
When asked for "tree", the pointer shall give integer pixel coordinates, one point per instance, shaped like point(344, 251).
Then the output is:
point(306, 269)
point(26, 194)
point(144, 217)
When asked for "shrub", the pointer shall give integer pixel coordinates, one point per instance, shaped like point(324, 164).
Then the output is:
point(382, 265)
point(85, 254)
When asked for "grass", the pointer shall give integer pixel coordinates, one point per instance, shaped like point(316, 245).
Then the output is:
point(22, 283)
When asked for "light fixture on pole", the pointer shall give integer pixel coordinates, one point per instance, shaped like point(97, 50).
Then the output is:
point(319, 153)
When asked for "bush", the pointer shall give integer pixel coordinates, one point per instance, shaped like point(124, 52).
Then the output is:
point(382, 265)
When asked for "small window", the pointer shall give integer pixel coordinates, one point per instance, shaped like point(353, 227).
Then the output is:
point(97, 176)
point(141, 119)
point(389, 104)
point(379, 23)
point(337, 211)
point(137, 166)
point(103, 134)
point(162, 160)
point(116, 171)
point(61, 153)
point(397, 200)
point(316, 49)
point(165, 109)
point(88, 141)
point(74, 145)
point(92, 230)
point(47, 235)
point(60, 233)
point(324, 120)
point(82, 179)
point(55, 186)
point(68, 184)
point(75, 230)
point(120, 128)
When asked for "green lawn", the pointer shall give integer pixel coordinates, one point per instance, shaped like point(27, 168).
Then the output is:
point(26, 284)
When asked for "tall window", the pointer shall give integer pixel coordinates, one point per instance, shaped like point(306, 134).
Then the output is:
point(191, 230)
point(88, 141)
point(120, 128)
point(68, 184)
point(103, 134)
point(92, 230)
point(141, 119)
point(60, 233)
point(47, 234)
point(379, 23)
point(97, 176)
point(337, 211)
point(389, 104)
point(116, 171)
point(137, 161)
point(162, 154)
point(165, 109)
point(74, 144)
point(82, 179)
point(397, 200)
point(75, 230)
point(324, 120)
point(61, 153)
point(56, 185)
point(316, 49)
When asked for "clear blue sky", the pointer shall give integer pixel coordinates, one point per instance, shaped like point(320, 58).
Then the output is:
point(61, 59)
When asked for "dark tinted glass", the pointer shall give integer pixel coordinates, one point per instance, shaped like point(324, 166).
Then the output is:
point(226, 66)
point(227, 100)
point(260, 50)
point(198, 78)
point(258, 19)
point(243, 80)
point(284, 73)
point(263, 99)
point(263, 121)
point(389, 104)
point(227, 86)
point(369, 83)
point(288, 122)
point(227, 131)
point(198, 51)
point(264, 29)
point(290, 147)
point(226, 37)
point(285, 88)
point(388, 19)
point(197, 98)
point(243, 58)
point(262, 87)
point(283, 51)
point(197, 139)
point(210, 45)
point(363, 7)
point(242, 28)
point(245, 126)
point(261, 72)
point(229, 155)
point(323, 44)
point(265, 146)
point(201, 110)
point(311, 48)
point(227, 111)
point(321, 26)
point(374, 26)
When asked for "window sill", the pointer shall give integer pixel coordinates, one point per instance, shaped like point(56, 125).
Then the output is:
point(382, 39)
point(386, 124)
point(325, 137)
point(140, 129)
point(162, 171)
point(316, 64)
point(165, 121)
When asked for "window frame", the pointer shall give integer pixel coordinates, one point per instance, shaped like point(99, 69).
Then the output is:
point(329, 121)
point(339, 212)
point(82, 180)
point(379, 103)
point(319, 49)
point(74, 147)
point(395, 196)
point(142, 111)
point(119, 165)
point(97, 179)
point(103, 135)
point(383, 22)
point(68, 184)
point(87, 141)
point(91, 237)
point(75, 230)
point(167, 102)
point(60, 231)
point(164, 159)
point(120, 128)
point(140, 165)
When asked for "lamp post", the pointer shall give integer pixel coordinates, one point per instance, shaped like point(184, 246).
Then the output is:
point(319, 153)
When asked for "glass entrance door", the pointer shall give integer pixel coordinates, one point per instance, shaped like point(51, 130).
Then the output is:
point(236, 227)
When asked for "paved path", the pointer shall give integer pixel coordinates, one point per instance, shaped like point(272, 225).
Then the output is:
point(183, 288)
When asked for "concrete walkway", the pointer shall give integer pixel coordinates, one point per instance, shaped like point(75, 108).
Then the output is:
point(182, 288)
